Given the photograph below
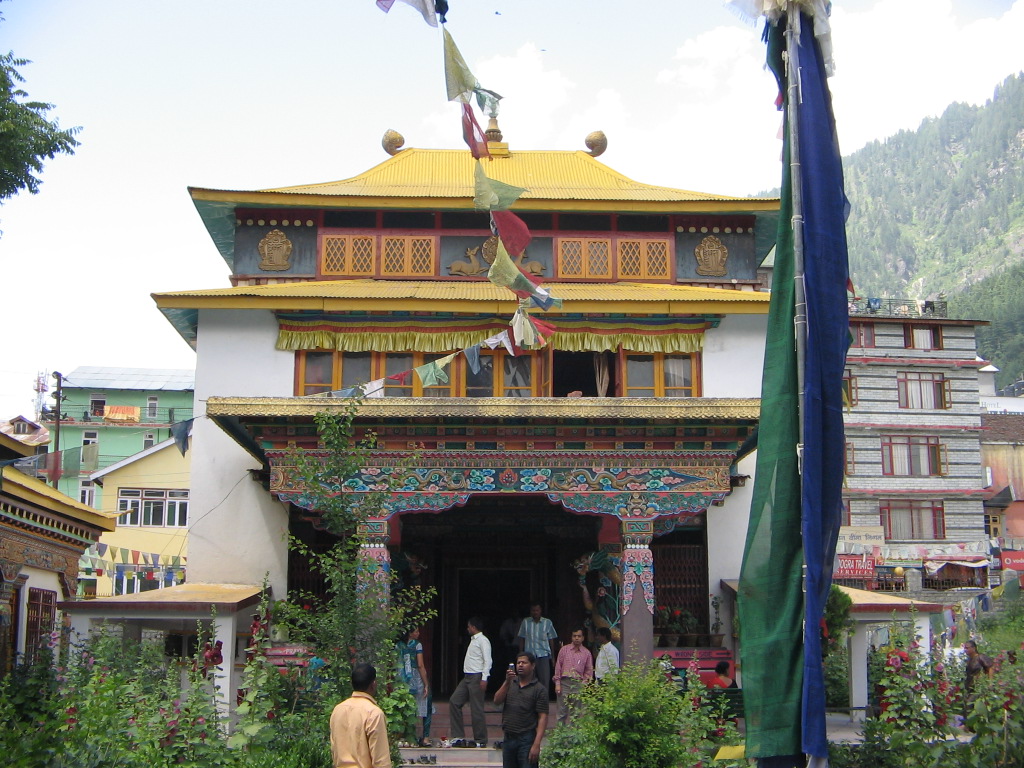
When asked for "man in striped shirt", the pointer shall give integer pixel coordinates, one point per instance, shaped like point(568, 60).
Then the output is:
point(537, 635)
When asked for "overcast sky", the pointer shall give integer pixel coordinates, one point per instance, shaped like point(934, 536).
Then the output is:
point(249, 94)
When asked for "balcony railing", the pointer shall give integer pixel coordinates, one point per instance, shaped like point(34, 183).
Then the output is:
point(127, 415)
point(898, 307)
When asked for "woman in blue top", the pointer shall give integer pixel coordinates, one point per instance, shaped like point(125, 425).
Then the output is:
point(413, 673)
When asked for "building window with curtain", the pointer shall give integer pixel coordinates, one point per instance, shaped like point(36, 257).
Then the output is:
point(912, 519)
point(912, 456)
point(923, 391)
point(863, 334)
point(922, 336)
point(321, 370)
point(502, 375)
point(661, 375)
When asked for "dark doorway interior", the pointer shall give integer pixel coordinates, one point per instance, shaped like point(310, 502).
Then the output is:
point(497, 597)
point(575, 372)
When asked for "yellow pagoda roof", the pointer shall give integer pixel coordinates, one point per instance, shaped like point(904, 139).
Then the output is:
point(436, 175)
point(442, 179)
point(456, 296)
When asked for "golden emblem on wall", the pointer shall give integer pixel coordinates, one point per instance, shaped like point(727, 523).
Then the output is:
point(275, 251)
point(711, 255)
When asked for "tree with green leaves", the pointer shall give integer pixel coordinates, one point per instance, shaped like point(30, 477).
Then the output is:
point(27, 137)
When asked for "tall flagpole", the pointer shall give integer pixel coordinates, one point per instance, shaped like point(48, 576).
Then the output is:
point(796, 185)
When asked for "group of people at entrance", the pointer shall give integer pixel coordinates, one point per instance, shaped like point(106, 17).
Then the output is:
point(358, 734)
point(524, 692)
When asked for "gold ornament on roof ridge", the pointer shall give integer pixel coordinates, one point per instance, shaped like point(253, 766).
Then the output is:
point(392, 142)
point(597, 143)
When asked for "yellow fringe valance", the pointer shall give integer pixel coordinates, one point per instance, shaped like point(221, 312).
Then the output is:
point(404, 341)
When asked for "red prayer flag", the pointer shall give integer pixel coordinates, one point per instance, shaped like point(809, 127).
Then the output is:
point(402, 378)
point(512, 230)
point(473, 134)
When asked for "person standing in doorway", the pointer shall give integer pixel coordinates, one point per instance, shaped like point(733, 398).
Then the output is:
point(607, 657)
point(537, 636)
point(476, 668)
point(573, 669)
point(359, 734)
point(413, 672)
point(524, 716)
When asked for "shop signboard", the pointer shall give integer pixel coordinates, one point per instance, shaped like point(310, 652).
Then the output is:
point(855, 567)
point(1013, 559)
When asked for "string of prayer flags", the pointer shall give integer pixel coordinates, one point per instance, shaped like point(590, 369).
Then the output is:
point(473, 358)
point(500, 339)
point(460, 82)
point(374, 388)
point(506, 274)
point(529, 332)
point(402, 378)
point(492, 195)
point(433, 373)
point(473, 134)
point(425, 7)
point(512, 230)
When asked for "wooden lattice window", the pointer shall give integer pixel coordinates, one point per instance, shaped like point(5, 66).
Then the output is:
point(408, 255)
point(41, 617)
point(348, 255)
point(644, 259)
point(584, 257)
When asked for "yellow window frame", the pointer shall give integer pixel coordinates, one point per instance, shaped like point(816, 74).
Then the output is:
point(303, 386)
point(653, 258)
point(498, 383)
point(408, 255)
point(348, 255)
point(584, 257)
point(659, 388)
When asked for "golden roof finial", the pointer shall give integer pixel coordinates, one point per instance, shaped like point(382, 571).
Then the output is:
point(597, 143)
point(392, 142)
point(493, 132)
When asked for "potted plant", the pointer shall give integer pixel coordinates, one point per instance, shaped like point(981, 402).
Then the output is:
point(716, 636)
point(686, 624)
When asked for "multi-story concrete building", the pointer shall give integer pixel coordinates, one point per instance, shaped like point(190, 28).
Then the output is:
point(915, 483)
point(109, 414)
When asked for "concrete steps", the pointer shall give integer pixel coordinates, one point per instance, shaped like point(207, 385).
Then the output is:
point(463, 757)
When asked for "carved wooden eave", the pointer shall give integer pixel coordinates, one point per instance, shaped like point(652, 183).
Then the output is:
point(702, 408)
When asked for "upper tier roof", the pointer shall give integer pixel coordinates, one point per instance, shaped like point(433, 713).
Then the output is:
point(442, 179)
point(462, 296)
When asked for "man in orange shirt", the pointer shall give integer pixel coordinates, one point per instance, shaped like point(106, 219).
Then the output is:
point(359, 737)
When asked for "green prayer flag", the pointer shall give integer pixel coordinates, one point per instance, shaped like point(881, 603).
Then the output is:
point(459, 80)
point(431, 374)
point(492, 195)
point(770, 601)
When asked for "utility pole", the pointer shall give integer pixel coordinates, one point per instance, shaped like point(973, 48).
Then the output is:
point(58, 395)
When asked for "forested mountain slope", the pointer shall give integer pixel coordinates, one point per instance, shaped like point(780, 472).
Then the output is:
point(940, 210)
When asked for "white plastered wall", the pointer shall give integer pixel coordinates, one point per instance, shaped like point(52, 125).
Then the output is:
point(236, 530)
point(733, 356)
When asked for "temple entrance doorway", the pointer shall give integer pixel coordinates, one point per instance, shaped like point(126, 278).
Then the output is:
point(492, 558)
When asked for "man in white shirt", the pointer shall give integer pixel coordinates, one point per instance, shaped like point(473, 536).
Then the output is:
point(476, 669)
point(607, 657)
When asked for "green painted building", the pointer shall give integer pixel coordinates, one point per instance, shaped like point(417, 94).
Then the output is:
point(109, 414)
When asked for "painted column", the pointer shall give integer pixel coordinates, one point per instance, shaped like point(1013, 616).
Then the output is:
point(374, 557)
point(857, 646)
point(637, 590)
point(227, 677)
